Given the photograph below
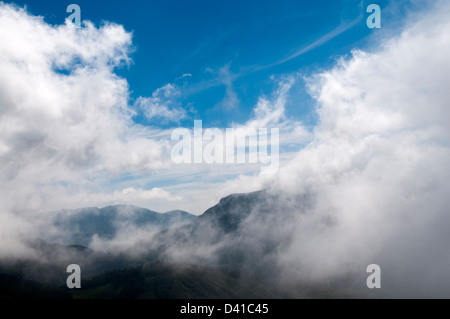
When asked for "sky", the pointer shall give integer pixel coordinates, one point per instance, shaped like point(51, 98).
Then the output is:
point(95, 126)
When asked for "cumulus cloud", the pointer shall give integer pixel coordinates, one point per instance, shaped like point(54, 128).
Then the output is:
point(163, 105)
point(377, 166)
point(64, 114)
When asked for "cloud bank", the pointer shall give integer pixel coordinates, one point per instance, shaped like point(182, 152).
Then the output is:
point(378, 165)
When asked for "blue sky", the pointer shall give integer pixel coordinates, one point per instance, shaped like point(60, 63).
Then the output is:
point(230, 49)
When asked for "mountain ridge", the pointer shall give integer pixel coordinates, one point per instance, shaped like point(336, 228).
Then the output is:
point(78, 226)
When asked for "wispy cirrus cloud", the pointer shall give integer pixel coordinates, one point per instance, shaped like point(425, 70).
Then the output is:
point(225, 77)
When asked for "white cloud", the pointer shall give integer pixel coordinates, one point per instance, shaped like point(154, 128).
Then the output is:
point(65, 122)
point(131, 193)
point(270, 112)
point(230, 101)
point(378, 165)
point(162, 104)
